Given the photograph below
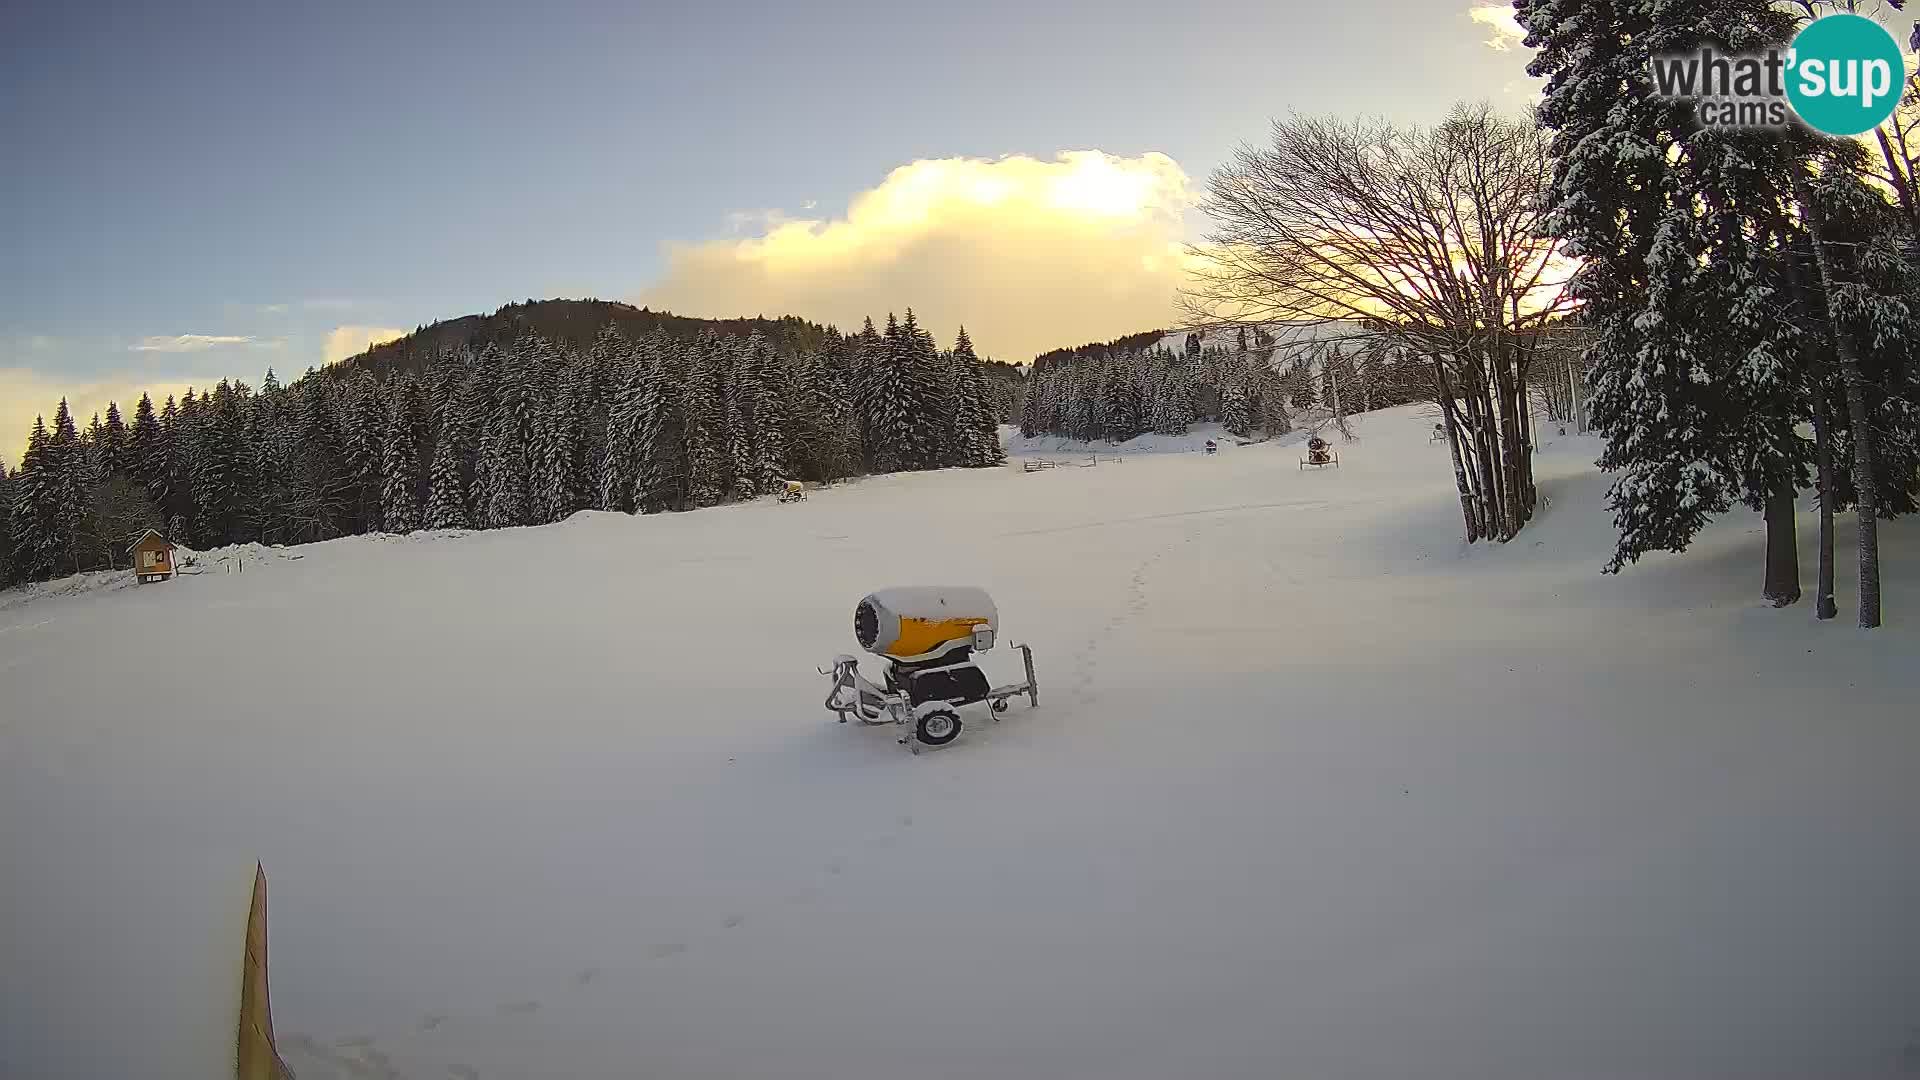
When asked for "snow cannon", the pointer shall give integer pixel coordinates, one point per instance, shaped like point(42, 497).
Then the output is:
point(926, 637)
point(915, 624)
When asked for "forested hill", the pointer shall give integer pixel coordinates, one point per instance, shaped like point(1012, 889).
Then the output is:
point(1146, 339)
point(523, 417)
point(572, 325)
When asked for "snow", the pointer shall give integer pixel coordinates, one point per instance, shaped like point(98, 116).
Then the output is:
point(1312, 790)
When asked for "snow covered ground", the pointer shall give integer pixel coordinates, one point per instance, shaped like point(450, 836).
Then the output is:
point(1313, 791)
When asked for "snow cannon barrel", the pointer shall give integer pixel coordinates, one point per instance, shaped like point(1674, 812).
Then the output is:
point(917, 622)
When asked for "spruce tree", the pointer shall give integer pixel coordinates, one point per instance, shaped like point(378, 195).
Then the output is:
point(361, 416)
point(264, 447)
point(591, 382)
point(869, 354)
point(113, 443)
point(703, 423)
point(554, 472)
point(822, 421)
point(620, 461)
point(1236, 412)
point(976, 431)
point(400, 460)
point(36, 495)
point(1272, 413)
point(447, 486)
point(6, 527)
point(66, 461)
point(503, 469)
point(890, 403)
point(1681, 232)
point(320, 483)
point(765, 392)
point(926, 397)
point(660, 440)
point(734, 391)
point(180, 424)
point(143, 457)
point(1170, 399)
point(1030, 414)
point(211, 467)
point(477, 404)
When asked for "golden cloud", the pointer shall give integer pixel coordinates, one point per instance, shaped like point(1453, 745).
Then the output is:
point(345, 341)
point(1028, 254)
point(1499, 19)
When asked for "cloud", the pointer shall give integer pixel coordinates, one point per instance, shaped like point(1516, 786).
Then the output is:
point(1499, 19)
point(273, 309)
point(326, 304)
point(179, 343)
point(25, 394)
point(1029, 254)
point(345, 341)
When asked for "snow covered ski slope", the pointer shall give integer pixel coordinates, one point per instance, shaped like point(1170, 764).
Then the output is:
point(1313, 791)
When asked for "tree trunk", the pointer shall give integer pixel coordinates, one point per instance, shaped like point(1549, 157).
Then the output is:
point(1573, 391)
point(1823, 604)
point(1523, 476)
point(1493, 463)
point(1866, 504)
point(1484, 456)
point(1783, 548)
point(1468, 511)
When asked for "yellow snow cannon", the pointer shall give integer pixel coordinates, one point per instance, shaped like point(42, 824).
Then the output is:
point(927, 636)
point(919, 623)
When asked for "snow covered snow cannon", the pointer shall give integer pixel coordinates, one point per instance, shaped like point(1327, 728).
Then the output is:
point(926, 636)
point(1319, 455)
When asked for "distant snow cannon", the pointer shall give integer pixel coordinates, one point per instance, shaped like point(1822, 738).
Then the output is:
point(927, 636)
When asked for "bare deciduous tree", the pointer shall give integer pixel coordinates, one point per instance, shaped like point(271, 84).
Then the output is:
point(1430, 238)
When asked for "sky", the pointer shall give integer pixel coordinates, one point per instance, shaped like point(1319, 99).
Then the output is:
point(196, 190)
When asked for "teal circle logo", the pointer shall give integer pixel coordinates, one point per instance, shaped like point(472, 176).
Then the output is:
point(1844, 74)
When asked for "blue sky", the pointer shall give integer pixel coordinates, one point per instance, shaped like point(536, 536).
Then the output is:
point(199, 189)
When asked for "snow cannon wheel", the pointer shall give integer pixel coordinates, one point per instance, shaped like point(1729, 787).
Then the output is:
point(938, 727)
point(1000, 705)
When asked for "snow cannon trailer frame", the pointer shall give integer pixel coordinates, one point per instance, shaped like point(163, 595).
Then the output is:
point(927, 638)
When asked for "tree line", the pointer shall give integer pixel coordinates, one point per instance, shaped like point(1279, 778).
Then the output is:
point(1250, 380)
point(523, 432)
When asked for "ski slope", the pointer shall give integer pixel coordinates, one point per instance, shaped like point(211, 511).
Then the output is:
point(1313, 790)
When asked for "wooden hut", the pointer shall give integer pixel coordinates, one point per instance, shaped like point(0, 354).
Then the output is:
point(152, 557)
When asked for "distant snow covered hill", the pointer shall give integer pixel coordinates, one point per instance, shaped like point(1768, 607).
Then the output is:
point(1313, 790)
